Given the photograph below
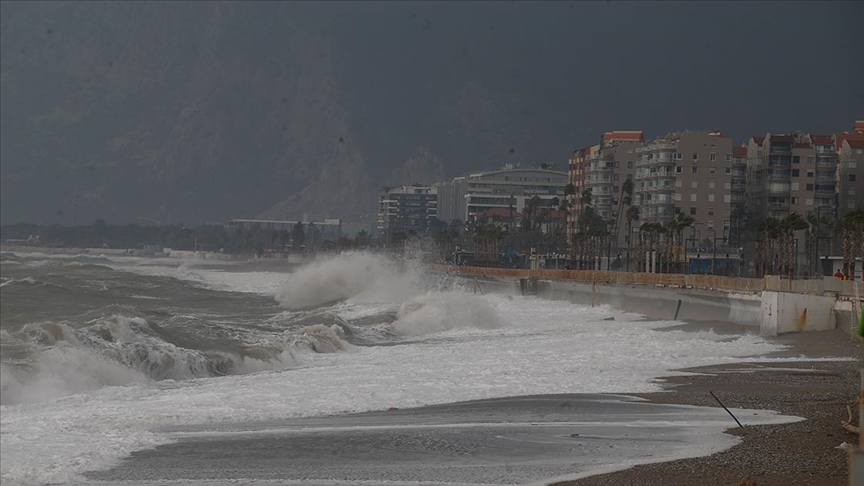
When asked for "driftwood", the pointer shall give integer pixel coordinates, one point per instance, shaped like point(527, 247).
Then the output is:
point(848, 425)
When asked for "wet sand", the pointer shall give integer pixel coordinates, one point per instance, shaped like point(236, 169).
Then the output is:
point(802, 453)
point(521, 440)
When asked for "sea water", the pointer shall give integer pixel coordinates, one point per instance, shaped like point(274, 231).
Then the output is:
point(100, 357)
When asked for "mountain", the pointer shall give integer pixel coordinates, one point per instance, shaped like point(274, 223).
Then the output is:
point(204, 111)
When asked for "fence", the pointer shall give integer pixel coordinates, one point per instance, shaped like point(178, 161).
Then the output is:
point(704, 282)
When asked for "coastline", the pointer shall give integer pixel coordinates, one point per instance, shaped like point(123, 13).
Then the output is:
point(800, 453)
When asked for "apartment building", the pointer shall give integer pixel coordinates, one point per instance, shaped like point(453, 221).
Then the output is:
point(789, 173)
point(406, 208)
point(576, 173)
point(689, 172)
point(465, 197)
point(850, 170)
point(850, 175)
point(602, 169)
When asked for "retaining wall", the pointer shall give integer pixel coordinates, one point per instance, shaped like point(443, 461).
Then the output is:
point(766, 304)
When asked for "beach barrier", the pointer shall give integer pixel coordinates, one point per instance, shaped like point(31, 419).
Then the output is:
point(773, 304)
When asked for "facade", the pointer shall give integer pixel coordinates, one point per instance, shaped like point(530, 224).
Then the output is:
point(577, 171)
point(850, 175)
point(689, 172)
point(407, 208)
point(331, 229)
point(789, 173)
point(602, 169)
point(464, 198)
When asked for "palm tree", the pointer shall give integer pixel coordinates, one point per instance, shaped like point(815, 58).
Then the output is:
point(788, 226)
point(632, 215)
point(853, 229)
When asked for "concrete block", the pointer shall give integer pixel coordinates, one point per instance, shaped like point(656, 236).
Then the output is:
point(784, 312)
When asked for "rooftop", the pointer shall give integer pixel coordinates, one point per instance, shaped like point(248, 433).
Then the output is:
point(822, 139)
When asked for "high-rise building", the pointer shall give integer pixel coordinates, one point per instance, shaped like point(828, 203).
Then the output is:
point(850, 170)
point(406, 208)
point(602, 169)
point(689, 172)
point(789, 173)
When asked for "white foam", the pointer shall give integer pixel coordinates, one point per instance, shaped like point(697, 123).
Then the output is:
point(360, 277)
point(540, 347)
point(436, 312)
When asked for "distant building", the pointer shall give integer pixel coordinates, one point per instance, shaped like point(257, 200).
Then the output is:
point(510, 188)
point(407, 208)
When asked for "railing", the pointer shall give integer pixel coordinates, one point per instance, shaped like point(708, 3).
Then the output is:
point(718, 283)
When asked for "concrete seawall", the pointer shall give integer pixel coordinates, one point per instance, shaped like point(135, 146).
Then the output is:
point(825, 307)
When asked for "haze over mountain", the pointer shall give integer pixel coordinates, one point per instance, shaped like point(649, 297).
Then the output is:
point(203, 111)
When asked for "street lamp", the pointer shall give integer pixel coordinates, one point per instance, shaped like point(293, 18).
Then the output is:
point(696, 236)
point(714, 243)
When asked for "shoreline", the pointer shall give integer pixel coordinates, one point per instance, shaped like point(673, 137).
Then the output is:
point(800, 453)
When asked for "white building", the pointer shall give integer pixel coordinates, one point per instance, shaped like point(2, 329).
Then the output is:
point(464, 197)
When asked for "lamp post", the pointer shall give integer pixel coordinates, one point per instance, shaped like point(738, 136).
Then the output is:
point(714, 244)
point(696, 236)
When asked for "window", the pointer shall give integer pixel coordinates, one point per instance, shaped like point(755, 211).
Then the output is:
point(677, 197)
point(692, 211)
point(711, 185)
point(713, 156)
point(710, 197)
point(795, 186)
point(695, 156)
point(679, 183)
point(795, 172)
point(728, 157)
point(809, 202)
point(794, 200)
point(695, 169)
point(710, 212)
point(851, 177)
point(727, 198)
point(693, 197)
point(810, 160)
point(617, 164)
point(810, 187)
point(615, 177)
point(710, 225)
point(678, 156)
point(630, 164)
point(677, 210)
point(677, 169)
point(728, 170)
point(809, 173)
point(796, 159)
point(727, 185)
point(694, 184)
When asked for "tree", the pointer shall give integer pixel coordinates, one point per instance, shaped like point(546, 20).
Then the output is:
point(631, 215)
point(787, 228)
point(298, 233)
point(852, 225)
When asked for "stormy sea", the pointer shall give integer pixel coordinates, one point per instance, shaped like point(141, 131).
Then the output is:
point(351, 369)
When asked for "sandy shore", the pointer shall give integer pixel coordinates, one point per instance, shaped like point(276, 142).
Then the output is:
point(802, 453)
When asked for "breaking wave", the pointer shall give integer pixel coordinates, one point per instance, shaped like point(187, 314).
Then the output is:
point(359, 276)
point(438, 312)
point(52, 360)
